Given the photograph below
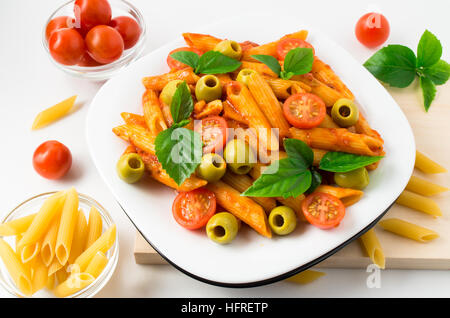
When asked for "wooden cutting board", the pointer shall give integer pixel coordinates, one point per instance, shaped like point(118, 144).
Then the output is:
point(432, 134)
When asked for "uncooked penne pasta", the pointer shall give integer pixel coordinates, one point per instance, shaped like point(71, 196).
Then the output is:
point(66, 228)
point(424, 187)
point(44, 217)
point(49, 241)
point(325, 74)
point(373, 248)
point(138, 136)
point(426, 165)
point(346, 195)
point(133, 119)
point(79, 237)
point(102, 244)
point(243, 208)
point(202, 42)
point(241, 98)
point(97, 265)
point(339, 139)
point(29, 252)
point(408, 230)
point(419, 203)
point(95, 226)
point(61, 275)
point(55, 266)
point(19, 273)
point(73, 284)
point(305, 277)
point(40, 275)
point(17, 226)
point(152, 112)
point(51, 282)
point(242, 183)
point(268, 103)
point(158, 82)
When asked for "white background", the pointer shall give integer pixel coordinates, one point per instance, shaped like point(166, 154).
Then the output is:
point(29, 82)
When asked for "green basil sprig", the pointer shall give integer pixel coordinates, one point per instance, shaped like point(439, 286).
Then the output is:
point(298, 61)
point(211, 62)
point(345, 162)
point(398, 66)
point(179, 150)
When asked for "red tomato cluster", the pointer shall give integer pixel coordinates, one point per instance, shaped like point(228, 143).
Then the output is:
point(91, 38)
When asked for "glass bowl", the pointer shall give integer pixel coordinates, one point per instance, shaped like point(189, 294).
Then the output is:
point(32, 205)
point(102, 72)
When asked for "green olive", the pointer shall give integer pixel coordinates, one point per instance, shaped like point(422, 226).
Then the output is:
point(208, 88)
point(356, 179)
point(344, 112)
point(169, 90)
point(222, 227)
point(130, 167)
point(229, 48)
point(212, 167)
point(282, 220)
point(239, 156)
point(244, 75)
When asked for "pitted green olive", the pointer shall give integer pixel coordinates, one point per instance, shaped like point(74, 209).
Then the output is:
point(356, 179)
point(212, 167)
point(282, 220)
point(229, 48)
point(344, 112)
point(208, 88)
point(168, 91)
point(222, 227)
point(130, 167)
point(239, 157)
point(244, 75)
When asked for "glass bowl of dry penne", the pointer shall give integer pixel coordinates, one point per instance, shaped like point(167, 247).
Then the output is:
point(57, 244)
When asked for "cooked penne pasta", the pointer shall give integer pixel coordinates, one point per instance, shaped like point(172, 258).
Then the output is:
point(295, 204)
point(339, 140)
point(203, 42)
point(419, 203)
point(152, 112)
point(229, 111)
point(140, 137)
point(285, 88)
point(408, 230)
point(424, 187)
point(49, 241)
point(305, 277)
point(243, 208)
point(97, 265)
point(95, 226)
point(44, 217)
point(363, 127)
point(373, 248)
point(242, 183)
point(102, 244)
point(326, 93)
point(203, 109)
point(346, 195)
point(133, 119)
point(40, 275)
point(158, 82)
point(66, 228)
point(325, 74)
point(241, 98)
point(80, 235)
point(268, 103)
point(165, 109)
point(19, 273)
point(73, 284)
point(328, 122)
point(261, 68)
point(426, 165)
point(17, 226)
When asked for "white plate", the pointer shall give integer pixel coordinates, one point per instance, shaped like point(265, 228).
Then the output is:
point(251, 259)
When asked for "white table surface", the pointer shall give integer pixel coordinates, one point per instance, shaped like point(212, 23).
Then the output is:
point(29, 82)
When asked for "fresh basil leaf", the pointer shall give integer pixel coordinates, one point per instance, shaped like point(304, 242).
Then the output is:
point(428, 91)
point(439, 73)
point(179, 150)
point(186, 57)
point(284, 178)
point(299, 61)
point(213, 62)
point(286, 75)
point(429, 50)
point(344, 162)
point(298, 151)
point(393, 64)
point(182, 104)
point(315, 181)
point(270, 61)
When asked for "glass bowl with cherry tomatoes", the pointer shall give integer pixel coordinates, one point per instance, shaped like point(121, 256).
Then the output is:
point(94, 39)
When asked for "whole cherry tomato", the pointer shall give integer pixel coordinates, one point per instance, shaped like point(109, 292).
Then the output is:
point(104, 44)
point(128, 28)
point(66, 46)
point(52, 159)
point(87, 60)
point(372, 29)
point(58, 23)
point(90, 13)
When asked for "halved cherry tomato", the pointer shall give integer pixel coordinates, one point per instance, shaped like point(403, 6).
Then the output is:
point(91, 13)
point(104, 44)
point(57, 24)
point(372, 29)
point(193, 209)
point(323, 210)
point(66, 46)
point(304, 110)
point(214, 133)
point(284, 46)
point(52, 159)
point(128, 28)
point(176, 65)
